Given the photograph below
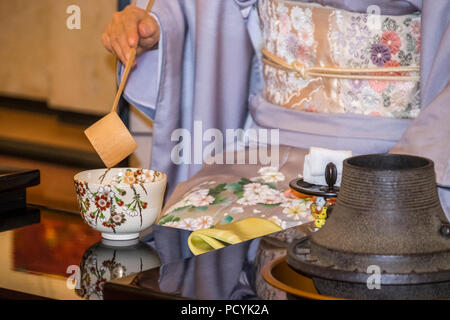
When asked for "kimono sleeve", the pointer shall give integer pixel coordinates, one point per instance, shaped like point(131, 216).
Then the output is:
point(429, 136)
point(143, 88)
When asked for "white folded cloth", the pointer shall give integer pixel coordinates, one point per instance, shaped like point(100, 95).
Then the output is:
point(316, 161)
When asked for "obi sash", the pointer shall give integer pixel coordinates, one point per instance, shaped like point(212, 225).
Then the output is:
point(324, 60)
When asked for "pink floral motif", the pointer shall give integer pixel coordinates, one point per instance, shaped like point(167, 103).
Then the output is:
point(415, 27)
point(392, 41)
point(271, 196)
point(310, 109)
point(380, 86)
point(393, 64)
point(256, 188)
point(303, 53)
point(306, 36)
point(200, 198)
point(255, 193)
point(189, 224)
point(205, 222)
point(285, 24)
point(248, 201)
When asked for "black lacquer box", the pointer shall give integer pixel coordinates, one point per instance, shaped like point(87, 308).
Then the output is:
point(13, 185)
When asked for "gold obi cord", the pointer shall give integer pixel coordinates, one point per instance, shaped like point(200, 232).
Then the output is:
point(391, 73)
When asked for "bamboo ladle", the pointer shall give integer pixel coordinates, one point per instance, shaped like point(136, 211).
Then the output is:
point(109, 136)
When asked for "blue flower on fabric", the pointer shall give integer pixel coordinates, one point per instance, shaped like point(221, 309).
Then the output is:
point(380, 54)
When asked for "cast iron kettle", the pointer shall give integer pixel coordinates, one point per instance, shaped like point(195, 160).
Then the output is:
point(387, 220)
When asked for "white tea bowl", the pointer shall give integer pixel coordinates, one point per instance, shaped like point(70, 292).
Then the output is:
point(120, 202)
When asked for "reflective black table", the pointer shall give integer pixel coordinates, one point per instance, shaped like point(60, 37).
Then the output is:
point(48, 254)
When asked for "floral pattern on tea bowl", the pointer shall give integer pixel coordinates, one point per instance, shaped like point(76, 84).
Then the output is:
point(120, 202)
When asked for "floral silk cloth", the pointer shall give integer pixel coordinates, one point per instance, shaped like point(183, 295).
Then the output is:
point(221, 194)
point(318, 36)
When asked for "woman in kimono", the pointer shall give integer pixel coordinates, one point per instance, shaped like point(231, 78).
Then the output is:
point(263, 64)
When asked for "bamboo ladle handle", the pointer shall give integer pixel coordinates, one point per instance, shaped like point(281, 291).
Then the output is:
point(128, 67)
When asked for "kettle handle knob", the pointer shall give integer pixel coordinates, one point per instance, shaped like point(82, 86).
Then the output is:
point(330, 175)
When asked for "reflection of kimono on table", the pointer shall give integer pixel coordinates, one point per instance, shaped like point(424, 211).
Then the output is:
point(209, 67)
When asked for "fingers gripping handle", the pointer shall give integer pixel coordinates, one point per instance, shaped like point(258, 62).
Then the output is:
point(128, 67)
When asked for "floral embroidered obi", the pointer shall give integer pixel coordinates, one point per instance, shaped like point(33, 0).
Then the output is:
point(314, 55)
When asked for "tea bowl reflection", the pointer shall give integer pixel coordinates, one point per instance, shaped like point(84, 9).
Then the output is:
point(120, 202)
point(108, 260)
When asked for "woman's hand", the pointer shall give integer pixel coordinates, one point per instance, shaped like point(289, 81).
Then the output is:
point(130, 28)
